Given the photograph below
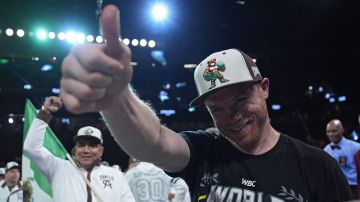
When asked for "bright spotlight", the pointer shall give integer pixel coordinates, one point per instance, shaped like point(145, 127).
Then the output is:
point(99, 39)
point(51, 35)
point(143, 42)
point(70, 37)
point(9, 32)
point(41, 34)
point(90, 38)
point(126, 41)
point(20, 33)
point(159, 12)
point(11, 120)
point(27, 86)
point(46, 67)
point(151, 44)
point(135, 42)
point(61, 36)
point(80, 37)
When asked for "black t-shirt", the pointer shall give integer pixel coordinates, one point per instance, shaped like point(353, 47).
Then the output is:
point(291, 171)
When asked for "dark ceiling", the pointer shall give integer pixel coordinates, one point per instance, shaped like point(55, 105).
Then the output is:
point(296, 44)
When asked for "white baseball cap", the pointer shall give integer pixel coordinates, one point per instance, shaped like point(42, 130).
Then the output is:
point(223, 68)
point(11, 165)
point(89, 131)
point(2, 171)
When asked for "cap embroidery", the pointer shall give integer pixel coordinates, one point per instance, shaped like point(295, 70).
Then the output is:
point(88, 131)
point(213, 71)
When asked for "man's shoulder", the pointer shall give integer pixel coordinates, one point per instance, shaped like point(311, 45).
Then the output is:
point(307, 152)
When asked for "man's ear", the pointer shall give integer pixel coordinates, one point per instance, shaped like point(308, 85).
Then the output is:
point(265, 83)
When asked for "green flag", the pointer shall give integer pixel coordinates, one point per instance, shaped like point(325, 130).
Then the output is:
point(41, 186)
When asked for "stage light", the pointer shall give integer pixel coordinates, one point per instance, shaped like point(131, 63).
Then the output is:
point(167, 112)
point(27, 86)
point(190, 65)
point(342, 98)
point(9, 32)
point(135, 42)
point(70, 37)
point(143, 42)
point(46, 67)
point(163, 96)
point(126, 41)
point(321, 89)
point(191, 109)
point(159, 12)
point(180, 84)
point(11, 120)
point(332, 100)
point(55, 90)
point(62, 36)
point(20, 33)
point(90, 38)
point(4, 61)
point(151, 44)
point(99, 39)
point(275, 107)
point(80, 38)
point(327, 95)
point(41, 34)
point(51, 35)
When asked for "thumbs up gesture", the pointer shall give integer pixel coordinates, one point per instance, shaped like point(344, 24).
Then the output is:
point(94, 75)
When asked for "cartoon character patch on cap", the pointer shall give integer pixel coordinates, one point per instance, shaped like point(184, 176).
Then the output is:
point(213, 72)
point(88, 131)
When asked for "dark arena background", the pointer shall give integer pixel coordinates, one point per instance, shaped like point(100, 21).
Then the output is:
point(309, 50)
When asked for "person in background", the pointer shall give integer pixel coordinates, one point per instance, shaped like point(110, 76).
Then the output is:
point(65, 179)
point(147, 182)
point(179, 190)
point(343, 150)
point(11, 187)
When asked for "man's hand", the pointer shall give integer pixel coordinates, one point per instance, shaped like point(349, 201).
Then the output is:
point(93, 75)
point(52, 104)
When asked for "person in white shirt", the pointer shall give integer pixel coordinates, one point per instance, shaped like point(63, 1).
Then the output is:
point(147, 182)
point(65, 179)
point(11, 188)
point(179, 190)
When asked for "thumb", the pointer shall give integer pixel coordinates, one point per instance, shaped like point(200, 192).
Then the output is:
point(110, 25)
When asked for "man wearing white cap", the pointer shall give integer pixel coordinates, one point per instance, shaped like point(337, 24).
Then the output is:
point(11, 188)
point(249, 161)
point(107, 184)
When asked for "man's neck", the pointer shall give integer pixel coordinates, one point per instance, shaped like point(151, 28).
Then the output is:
point(11, 184)
point(265, 143)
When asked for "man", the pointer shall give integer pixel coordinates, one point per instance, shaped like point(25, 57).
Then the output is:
point(147, 182)
point(11, 188)
point(343, 150)
point(65, 179)
point(250, 161)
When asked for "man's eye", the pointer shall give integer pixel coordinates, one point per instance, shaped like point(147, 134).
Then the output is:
point(240, 100)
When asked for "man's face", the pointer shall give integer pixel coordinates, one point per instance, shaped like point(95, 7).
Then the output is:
point(2, 177)
point(240, 111)
point(12, 175)
point(88, 153)
point(334, 131)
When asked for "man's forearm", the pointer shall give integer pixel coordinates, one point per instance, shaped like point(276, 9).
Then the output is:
point(134, 126)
